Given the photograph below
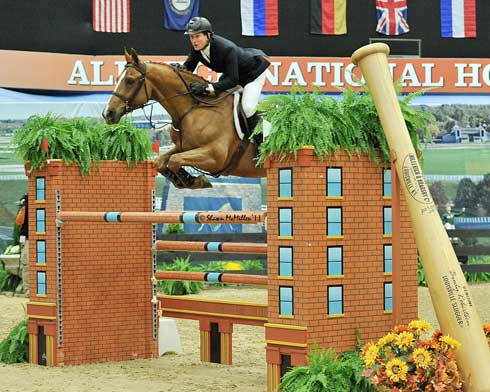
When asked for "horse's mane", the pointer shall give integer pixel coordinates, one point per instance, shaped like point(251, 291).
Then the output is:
point(186, 74)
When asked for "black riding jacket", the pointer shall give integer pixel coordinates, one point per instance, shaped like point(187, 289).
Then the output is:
point(239, 66)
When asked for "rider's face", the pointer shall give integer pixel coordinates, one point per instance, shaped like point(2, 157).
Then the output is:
point(199, 41)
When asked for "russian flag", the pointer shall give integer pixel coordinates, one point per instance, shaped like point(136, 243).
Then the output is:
point(259, 17)
point(458, 18)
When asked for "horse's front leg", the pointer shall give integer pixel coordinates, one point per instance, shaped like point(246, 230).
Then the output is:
point(201, 158)
point(160, 164)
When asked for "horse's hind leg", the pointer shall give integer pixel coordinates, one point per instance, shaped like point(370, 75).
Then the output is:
point(200, 158)
point(160, 164)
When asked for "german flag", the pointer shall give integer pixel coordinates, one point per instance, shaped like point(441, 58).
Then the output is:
point(328, 17)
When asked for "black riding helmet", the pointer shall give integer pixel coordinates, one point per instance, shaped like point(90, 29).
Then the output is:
point(198, 24)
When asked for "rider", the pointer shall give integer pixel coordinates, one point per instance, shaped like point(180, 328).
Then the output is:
point(239, 66)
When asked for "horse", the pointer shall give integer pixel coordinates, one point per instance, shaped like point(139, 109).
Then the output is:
point(202, 130)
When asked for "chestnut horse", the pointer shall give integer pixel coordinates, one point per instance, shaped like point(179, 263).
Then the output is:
point(202, 129)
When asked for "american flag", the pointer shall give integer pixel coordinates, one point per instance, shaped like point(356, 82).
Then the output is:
point(111, 16)
point(392, 17)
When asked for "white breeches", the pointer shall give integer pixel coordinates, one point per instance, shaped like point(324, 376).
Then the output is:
point(251, 95)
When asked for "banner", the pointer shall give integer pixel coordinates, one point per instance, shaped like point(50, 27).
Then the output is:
point(458, 18)
point(177, 13)
point(111, 16)
point(259, 17)
point(74, 72)
point(328, 17)
point(392, 17)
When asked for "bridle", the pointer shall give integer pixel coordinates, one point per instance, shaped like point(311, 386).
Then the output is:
point(141, 82)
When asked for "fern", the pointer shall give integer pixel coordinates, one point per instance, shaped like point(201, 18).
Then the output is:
point(15, 347)
point(327, 372)
point(80, 141)
point(350, 124)
point(178, 287)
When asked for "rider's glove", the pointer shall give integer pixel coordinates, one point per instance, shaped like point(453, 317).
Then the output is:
point(198, 89)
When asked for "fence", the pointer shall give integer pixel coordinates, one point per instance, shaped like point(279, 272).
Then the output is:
point(460, 242)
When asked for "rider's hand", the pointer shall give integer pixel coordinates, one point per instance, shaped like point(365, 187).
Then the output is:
point(198, 89)
point(178, 66)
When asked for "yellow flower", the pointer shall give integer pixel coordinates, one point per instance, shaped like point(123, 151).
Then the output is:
point(387, 339)
point(419, 326)
point(421, 357)
point(451, 342)
point(404, 340)
point(396, 370)
point(370, 355)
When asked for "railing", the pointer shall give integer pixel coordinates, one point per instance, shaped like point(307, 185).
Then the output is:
point(458, 237)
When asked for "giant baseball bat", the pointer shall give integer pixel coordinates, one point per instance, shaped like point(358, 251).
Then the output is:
point(451, 298)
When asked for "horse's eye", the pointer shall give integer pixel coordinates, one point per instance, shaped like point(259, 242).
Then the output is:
point(129, 81)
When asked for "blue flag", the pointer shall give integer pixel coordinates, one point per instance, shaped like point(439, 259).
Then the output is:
point(178, 12)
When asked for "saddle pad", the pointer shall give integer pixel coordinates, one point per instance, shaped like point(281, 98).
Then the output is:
point(236, 115)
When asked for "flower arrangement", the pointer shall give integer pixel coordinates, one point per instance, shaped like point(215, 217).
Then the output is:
point(405, 361)
point(486, 329)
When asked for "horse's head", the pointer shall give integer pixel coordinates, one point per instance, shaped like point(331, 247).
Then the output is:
point(131, 91)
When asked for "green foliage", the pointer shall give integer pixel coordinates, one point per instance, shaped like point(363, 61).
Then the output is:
point(252, 265)
point(438, 194)
point(351, 124)
point(8, 281)
point(483, 189)
point(15, 348)
point(327, 372)
point(478, 276)
point(174, 228)
point(177, 287)
point(467, 194)
point(80, 141)
point(420, 274)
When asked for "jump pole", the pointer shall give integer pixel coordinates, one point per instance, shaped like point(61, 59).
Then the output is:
point(214, 277)
point(227, 247)
point(451, 298)
point(234, 217)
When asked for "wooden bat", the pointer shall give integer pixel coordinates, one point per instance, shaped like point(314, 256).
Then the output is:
point(451, 298)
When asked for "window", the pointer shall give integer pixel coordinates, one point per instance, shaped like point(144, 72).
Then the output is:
point(334, 260)
point(41, 252)
point(387, 221)
point(41, 220)
point(285, 222)
point(334, 181)
point(387, 182)
point(40, 189)
point(41, 283)
point(334, 221)
point(285, 183)
point(335, 300)
point(285, 261)
point(388, 258)
point(286, 301)
point(388, 295)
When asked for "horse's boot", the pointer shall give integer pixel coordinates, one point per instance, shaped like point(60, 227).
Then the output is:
point(252, 122)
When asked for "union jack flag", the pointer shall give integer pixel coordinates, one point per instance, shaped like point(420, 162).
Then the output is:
point(392, 17)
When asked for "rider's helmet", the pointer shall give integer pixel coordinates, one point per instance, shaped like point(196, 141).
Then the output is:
point(198, 24)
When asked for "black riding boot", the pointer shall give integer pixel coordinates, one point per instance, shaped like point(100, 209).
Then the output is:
point(252, 122)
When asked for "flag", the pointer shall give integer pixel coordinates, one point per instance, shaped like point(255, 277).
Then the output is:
point(156, 146)
point(44, 145)
point(458, 18)
point(259, 17)
point(328, 17)
point(392, 17)
point(110, 16)
point(178, 12)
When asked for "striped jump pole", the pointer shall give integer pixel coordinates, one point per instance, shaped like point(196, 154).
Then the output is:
point(214, 277)
point(236, 217)
point(227, 247)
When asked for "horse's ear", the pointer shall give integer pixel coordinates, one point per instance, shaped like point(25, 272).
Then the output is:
point(134, 55)
point(127, 55)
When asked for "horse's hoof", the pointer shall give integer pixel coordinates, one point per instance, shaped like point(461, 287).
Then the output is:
point(204, 182)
